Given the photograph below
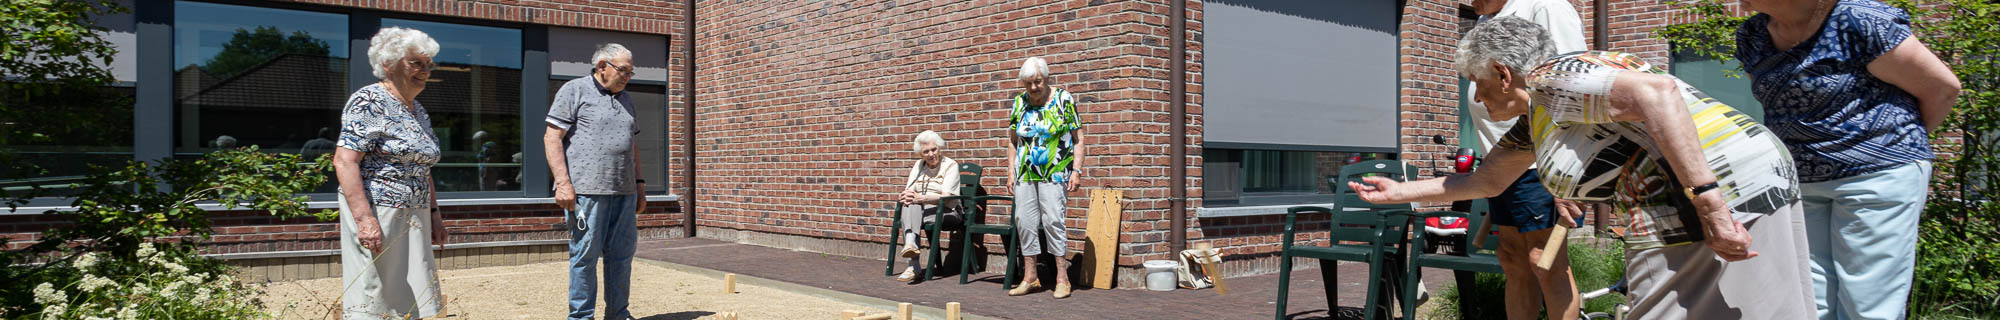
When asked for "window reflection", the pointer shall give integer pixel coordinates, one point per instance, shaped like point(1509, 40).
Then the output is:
point(474, 100)
point(245, 76)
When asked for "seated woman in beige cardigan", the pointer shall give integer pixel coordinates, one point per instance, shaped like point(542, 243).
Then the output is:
point(931, 178)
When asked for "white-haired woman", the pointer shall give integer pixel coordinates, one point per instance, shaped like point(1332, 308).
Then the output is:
point(932, 178)
point(383, 162)
point(1698, 179)
point(1043, 169)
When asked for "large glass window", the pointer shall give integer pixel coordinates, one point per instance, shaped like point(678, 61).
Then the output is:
point(474, 99)
point(245, 76)
point(1270, 177)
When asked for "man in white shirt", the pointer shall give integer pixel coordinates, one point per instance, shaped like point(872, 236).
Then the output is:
point(1525, 212)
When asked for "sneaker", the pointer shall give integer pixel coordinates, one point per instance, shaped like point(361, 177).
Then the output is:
point(911, 252)
point(1062, 290)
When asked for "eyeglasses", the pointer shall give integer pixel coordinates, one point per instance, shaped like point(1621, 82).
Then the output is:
point(424, 66)
point(622, 71)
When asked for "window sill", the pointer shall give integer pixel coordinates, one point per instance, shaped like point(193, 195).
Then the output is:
point(1252, 211)
point(331, 204)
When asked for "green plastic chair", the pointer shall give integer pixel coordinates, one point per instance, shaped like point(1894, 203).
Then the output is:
point(1379, 229)
point(968, 183)
point(975, 225)
point(1474, 260)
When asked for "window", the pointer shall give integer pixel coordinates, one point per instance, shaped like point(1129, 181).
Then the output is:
point(474, 98)
point(94, 129)
point(1271, 177)
point(570, 51)
point(245, 76)
point(1707, 75)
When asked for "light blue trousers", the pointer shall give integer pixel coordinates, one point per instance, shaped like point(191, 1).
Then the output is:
point(1862, 231)
point(610, 231)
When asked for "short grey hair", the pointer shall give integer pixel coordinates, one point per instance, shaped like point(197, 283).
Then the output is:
point(608, 51)
point(1510, 41)
point(392, 44)
point(927, 136)
point(1034, 67)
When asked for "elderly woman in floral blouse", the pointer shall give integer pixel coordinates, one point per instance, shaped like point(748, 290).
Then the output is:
point(388, 220)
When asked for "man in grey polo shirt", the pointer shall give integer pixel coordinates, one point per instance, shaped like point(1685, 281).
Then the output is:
point(596, 170)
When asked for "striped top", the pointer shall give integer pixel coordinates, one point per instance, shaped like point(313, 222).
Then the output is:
point(1585, 156)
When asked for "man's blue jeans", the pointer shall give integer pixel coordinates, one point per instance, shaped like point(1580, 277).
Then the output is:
point(608, 230)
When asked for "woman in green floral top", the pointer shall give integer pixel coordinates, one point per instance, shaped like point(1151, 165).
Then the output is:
point(1043, 169)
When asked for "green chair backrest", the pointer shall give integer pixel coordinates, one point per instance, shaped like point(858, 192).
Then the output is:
point(1355, 219)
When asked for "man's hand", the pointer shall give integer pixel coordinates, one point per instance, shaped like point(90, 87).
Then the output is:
point(1071, 187)
point(565, 196)
point(642, 199)
point(368, 231)
point(1567, 212)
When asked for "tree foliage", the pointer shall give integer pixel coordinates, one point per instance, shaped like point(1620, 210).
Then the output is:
point(1958, 268)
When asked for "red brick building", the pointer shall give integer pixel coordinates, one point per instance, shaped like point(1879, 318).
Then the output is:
point(802, 112)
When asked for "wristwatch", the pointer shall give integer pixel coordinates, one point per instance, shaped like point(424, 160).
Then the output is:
point(1697, 190)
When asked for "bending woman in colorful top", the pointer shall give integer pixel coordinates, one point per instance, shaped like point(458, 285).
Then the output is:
point(1697, 179)
point(931, 179)
point(1855, 97)
point(383, 162)
point(1043, 170)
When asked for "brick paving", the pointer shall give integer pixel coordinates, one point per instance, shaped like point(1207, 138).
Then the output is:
point(1249, 297)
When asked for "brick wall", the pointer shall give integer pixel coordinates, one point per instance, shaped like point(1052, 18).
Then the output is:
point(806, 110)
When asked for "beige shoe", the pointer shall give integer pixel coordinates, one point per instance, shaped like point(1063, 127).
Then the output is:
point(1023, 289)
point(909, 274)
point(1062, 290)
point(911, 252)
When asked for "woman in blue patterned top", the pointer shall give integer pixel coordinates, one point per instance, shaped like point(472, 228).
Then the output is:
point(383, 163)
point(1855, 97)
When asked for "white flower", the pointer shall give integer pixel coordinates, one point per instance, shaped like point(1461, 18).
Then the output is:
point(171, 290)
point(141, 289)
point(54, 312)
point(46, 294)
point(146, 250)
point(92, 282)
point(201, 295)
point(127, 313)
point(191, 279)
point(177, 268)
point(97, 318)
point(86, 260)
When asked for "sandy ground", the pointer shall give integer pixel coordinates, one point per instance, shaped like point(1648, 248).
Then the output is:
point(538, 291)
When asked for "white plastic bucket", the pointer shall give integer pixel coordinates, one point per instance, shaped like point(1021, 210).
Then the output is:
point(1160, 275)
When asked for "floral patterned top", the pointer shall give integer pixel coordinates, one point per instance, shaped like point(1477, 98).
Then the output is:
point(1044, 141)
point(396, 144)
point(1585, 156)
point(1836, 118)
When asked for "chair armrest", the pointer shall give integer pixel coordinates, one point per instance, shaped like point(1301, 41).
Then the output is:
point(990, 198)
